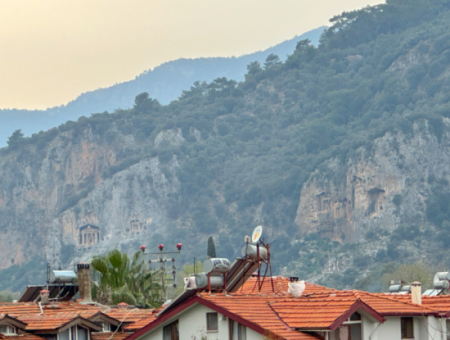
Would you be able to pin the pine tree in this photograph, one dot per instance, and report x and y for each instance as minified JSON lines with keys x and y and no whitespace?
{"x":211,"y":248}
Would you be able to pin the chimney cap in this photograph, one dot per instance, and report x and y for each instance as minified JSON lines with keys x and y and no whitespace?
{"x":416,"y":283}
{"x":83,"y":265}
{"x":122,"y":305}
{"x":44,"y":291}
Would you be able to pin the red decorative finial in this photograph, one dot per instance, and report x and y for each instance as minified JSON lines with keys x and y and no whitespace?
{"x":179,"y":245}
{"x":161,"y":247}
{"x":143,"y":248}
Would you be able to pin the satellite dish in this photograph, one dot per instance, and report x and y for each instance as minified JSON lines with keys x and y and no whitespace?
{"x":247,"y":239}
{"x":256,"y":234}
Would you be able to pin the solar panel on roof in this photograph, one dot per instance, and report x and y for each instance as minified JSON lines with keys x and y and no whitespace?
{"x":432,"y":292}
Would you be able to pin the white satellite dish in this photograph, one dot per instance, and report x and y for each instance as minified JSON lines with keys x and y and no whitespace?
{"x":257,"y":232}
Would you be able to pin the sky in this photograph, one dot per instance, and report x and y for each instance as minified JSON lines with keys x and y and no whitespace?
{"x":54,"y":50}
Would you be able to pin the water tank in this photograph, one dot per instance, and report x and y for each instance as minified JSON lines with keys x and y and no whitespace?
{"x":62,"y":276}
{"x":406,"y":288}
{"x":395,"y":288}
{"x":251,"y":252}
{"x":216,"y":265}
{"x":441,"y":280}
{"x":201,"y":281}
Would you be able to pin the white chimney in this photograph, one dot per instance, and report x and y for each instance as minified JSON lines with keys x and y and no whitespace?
{"x":296,"y":287}
{"x":416,"y":293}
{"x":44,"y":296}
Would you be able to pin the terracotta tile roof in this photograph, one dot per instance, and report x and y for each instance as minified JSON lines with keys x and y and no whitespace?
{"x":439,"y":303}
{"x":260,"y":313}
{"x":386,"y":304}
{"x":109,"y":335}
{"x":23,"y":308}
{"x":280,"y":285}
{"x":64,"y":310}
{"x":129,"y":315}
{"x":312,"y":313}
{"x":141,"y":323}
{"x":21,"y":336}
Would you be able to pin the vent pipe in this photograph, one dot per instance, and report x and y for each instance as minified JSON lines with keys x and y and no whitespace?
{"x":84,"y":282}
{"x":416,"y":293}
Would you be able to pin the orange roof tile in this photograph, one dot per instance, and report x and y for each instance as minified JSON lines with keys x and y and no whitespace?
{"x":280,"y":286}
{"x":46,"y":322}
{"x":21,"y":336}
{"x":109,"y":335}
{"x":141,"y":323}
{"x":129,"y":315}
{"x":260,"y":313}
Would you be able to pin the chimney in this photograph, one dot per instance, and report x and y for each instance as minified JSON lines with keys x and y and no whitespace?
{"x":84,"y":282}
{"x":122,"y":305}
{"x":416,"y":293}
{"x":44,"y":296}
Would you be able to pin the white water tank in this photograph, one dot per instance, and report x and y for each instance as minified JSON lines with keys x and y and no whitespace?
{"x":216,"y":265}
{"x":251,"y":252}
{"x":62,"y":276}
{"x":201,"y":281}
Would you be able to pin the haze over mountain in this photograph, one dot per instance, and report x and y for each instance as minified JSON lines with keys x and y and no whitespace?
{"x":164,"y":83}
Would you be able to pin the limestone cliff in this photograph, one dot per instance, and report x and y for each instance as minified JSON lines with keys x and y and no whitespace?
{"x":67,"y":202}
{"x":378,"y":188}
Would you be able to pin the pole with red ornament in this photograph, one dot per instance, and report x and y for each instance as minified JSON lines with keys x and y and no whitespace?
{"x":162,"y":260}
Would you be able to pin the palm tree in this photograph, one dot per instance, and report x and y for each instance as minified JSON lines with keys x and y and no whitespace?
{"x":122,"y":280}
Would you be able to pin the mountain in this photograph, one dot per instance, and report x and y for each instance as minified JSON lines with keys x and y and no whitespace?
{"x":164,"y":83}
{"x":341,"y":153}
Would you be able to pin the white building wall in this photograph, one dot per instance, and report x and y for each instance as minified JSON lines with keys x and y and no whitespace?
{"x":389,"y":330}
{"x":192,"y":326}
{"x":368,"y":328}
{"x":436,"y":328}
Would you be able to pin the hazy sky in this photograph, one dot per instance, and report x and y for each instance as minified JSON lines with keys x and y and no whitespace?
{"x":53,"y":50}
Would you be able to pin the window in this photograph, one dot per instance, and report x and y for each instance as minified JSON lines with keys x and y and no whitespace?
{"x":170,"y":332}
{"x":64,"y":335}
{"x":237,"y":331}
{"x":407,"y":325}
{"x":350,"y":329}
{"x":82,"y":333}
{"x":74,"y":333}
{"x":106,"y":327}
{"x":212,"y":322}
{"x":8,"y":330}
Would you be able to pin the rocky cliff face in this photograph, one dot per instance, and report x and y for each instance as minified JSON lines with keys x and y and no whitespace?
{"x":66,"y":204}
{"x":377,"y":188}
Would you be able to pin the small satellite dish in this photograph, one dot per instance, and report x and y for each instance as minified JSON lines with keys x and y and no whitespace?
{"x":256,"y":234}
{"x":247,"y":239}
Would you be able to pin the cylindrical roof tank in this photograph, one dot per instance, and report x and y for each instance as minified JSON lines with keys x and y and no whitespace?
{"x":251,"y":251}
{"x":201,"y":281}
{"x":62,"y":276}
{"x":216,"y":265}
{"x":395,"y":288}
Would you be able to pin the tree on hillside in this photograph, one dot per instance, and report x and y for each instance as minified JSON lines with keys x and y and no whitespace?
{"x":15,"y":139}
{"x":211,"y":248}
{"x":302,"y":43}
{"x":144,"y":104}
{"x":410,"y":273}
{"x":126,"y":280}
{"x":271,"y":61}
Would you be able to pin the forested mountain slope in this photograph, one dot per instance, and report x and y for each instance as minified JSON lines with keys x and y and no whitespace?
{"x":342,"y":153}
{"x":164,"y":83}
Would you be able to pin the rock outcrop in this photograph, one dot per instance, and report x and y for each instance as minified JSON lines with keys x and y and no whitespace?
{"x":378,"y":189}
